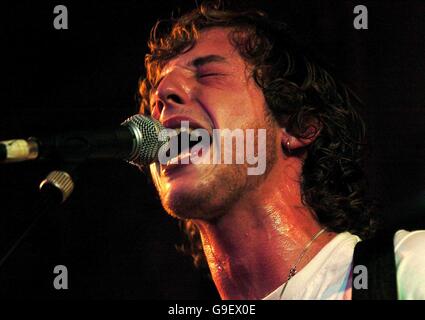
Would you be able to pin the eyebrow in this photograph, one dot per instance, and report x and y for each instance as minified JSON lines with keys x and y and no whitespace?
{"x":200,"y":61}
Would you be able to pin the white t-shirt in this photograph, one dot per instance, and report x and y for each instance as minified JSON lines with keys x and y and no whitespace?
{"x":326,"y":276}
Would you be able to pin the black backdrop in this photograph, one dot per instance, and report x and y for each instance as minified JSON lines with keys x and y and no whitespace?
{"x":112,"y":234}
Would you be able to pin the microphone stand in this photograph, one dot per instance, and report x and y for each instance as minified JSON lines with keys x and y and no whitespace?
{"x":55,"y":189}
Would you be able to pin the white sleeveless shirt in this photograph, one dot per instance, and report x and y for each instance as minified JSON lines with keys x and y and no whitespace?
{"x":326,"y":276}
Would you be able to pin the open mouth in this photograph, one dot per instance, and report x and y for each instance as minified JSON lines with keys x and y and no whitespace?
{"x":187,"y":139}
{"x":188,"y":143}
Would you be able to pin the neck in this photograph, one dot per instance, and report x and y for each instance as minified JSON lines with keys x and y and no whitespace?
{"x":251,"y":248}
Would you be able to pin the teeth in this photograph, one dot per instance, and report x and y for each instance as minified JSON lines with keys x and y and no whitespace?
{"x":178,"y":159}
{"x":179,"y":130}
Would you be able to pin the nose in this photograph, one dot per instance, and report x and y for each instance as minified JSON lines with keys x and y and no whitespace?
{"x":172,"y":92}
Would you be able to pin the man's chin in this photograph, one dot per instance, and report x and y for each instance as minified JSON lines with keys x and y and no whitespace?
{"x":186,"y":198}
{"x":200,"y":191}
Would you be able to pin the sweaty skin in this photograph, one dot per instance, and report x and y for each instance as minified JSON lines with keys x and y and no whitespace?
{"x":253,"y":228}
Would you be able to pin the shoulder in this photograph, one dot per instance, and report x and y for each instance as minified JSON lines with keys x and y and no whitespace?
{"x":409,"y":249}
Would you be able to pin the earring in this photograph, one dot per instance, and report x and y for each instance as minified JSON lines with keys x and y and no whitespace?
{"x":288,"y":147}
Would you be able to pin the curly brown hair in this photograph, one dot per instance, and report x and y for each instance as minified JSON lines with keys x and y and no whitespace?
{"x":299,"y":91}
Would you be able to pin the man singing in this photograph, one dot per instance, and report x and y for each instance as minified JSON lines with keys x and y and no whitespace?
{"x":291,"y":231}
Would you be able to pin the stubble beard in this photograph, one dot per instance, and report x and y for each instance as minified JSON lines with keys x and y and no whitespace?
{"x":216,"y":192}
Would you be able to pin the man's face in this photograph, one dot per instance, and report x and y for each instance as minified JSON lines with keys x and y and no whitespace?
{"x":211,"y":87}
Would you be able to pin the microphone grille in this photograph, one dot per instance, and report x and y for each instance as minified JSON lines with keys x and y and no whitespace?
{"x":149,"y":137}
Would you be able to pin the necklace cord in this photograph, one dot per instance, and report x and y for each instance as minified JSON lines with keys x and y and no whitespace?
{"x":293,"y":270}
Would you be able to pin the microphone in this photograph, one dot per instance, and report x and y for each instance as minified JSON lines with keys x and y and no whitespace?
{"x":137,"y":140}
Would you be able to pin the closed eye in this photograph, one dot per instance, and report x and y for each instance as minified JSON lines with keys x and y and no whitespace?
{"x":205,"y":75}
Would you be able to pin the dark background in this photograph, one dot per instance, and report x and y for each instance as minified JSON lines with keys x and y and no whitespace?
{"x":112,"y":234}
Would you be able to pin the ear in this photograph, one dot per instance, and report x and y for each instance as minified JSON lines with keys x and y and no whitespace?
{"x":291,"y":143}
